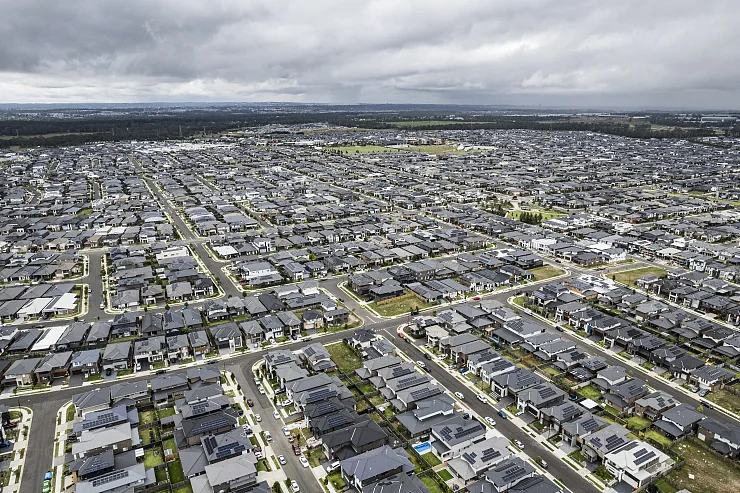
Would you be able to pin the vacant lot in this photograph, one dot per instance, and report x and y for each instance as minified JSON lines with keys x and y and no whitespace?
{"x":545,"y":272}
{"x":630,"y":277}
{"x":712,"y":474}
{"x":345,"y":358}
{"x":546,"y":214}
{"x":726,"y":399}
{"x":400,"y":305}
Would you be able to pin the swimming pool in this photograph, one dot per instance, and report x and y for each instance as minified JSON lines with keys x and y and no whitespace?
{"x":423,"y":447}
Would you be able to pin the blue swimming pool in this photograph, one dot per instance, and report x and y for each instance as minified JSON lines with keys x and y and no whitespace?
{"x":423,"y":447}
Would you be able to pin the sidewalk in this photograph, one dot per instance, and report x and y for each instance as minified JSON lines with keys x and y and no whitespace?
{"x":19,"y":449}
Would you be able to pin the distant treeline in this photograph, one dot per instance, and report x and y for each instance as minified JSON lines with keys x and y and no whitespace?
{"x":50,"y":131}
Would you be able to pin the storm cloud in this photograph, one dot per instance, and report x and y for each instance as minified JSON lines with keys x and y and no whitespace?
{"x":681,"y":54}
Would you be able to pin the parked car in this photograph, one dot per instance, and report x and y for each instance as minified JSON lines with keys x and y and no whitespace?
{"x":490,"y":420}
{"x":10,"y":424}
{"x":276,"y":415}
{"x":281,"y":460}
{"x":304,"y":461}
{"x":459,"y":395}
{"x":48,"y":476}
{"x":261,"y":389}
{"x":46,"y":488}
{"x":427,"y":356}
{"x":294,"y":486}
{"x":502,"y":414}
{"x":332,"y":467}
{"x":250,"y":402}
{"x":421,"y":364}
{"x":108,"y":372}
{"x":4,"y":444}
{"x":703,"y":392}
{"x":102,"y":305}
{"x":286,"y":431}
{"x":573,"y":397}
{"x":482,"y":398}
{"x":268,"y":436}
{"x":296,"y":449}
{"x":258,"y":417}
{"x":519,"y":444}
{"x":161,"y":372}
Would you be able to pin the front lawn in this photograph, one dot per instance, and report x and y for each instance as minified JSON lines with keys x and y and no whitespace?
{"x":314,"y":456}
{"x":400,"y":305}
{"x":545,"y":272}
{"x":629,"y":277}
{"x":638,"y":423}
{"x":71,"y":412}
{"x":335,"y":478}
{"x":345,"y":357}
{"x":711,"y":473}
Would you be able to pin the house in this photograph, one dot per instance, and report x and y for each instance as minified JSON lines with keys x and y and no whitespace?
{"x":624,"y":395}
{"x":711,"y":378}
{"x":477,"y":458}
{"x":227,"y":336}
{"x":455,"y":434}
{"x":85,"y":362}
{"x":678,"y":421}
{"x":596,"y":445}
{"x":52,"y":366}
{"x":355,"y":439}
{"x":199,"y":343}
{"x":538,"y":397}
{"x":636,"y":463}
{"x":506,"y":476}
{"x":21,"y":372}
{"x":654,"y":404}
{"x":178,"y":347}
{"x":374,"y":465}
{"x":117,"y":356}
{"x":150,"y":350}
{"x":723,"y":437}
{"x":233,"y":474}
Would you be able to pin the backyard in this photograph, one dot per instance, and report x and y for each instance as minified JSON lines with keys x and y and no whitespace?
{"x":153,"y":457}
{"x":589,"y":392}
{"x":344,"y":356}
{"x":630,"y":277}
{"x":175,"y":470}
{"x":711,"y":473}
{"x":638,"y":423}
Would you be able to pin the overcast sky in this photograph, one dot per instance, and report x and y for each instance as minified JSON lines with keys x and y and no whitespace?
{"x":622,"y":53}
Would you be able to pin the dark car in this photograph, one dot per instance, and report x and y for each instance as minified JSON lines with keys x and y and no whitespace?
{"x":250,"y":403}
{"x":161,"y":372}
{"x":502,"y":414}
{"x":427,"y":356}
{"x":707,"y":404}
{"x":108,"y":372}
{"x":573,"y":397}
{"x":10,"y":424}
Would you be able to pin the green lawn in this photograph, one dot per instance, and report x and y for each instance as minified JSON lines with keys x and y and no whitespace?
{"x":662,"y":439}
{"x":314,"y":456}
{"x":602,"y":473}
{"x":336,"y":480}
{"x":444,"y":474}
{"x":432,"y":485}
{"x":545,"y":272}
{"x":589,"y":392}
{"x":630,"y":277}
{"x":638,"y":423}
{"x":167,"y":411}
{"x":71,"y":412}
{"x":417,"y":464}
{"x":151,"y":460}
{"x":726,"y":399}
{"x":175,"y":470}
{"x":184,"y":489}
{"x":431,"y":459}
{"x":400,"y":305}
{"x":712,"y":474}
{"x":169,"y":444}
{"x":161,"y":475}
{"x":149,"y":436}
{"x":578,"y":457}
{"x":344,"y":356}
{"x":665,"y":487}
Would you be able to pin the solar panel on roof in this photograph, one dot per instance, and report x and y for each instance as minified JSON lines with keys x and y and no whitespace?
{"x":489,"y":454}
{"x":547,"y":392}
{"x":469,"y":457}
{"x":644,"y":458}
{"x":110,"y":478}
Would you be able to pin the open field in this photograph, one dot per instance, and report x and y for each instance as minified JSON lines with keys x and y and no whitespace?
{"x":712,"y":474}
{"x":368,"y":149}
{"x":545,"y":272}
{"x":726,"y":399}
{"x":630,"y":277}
{"x":421,"y":123}
{"x":43,"y":136}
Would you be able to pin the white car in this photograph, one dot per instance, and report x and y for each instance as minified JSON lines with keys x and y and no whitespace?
{"x":519,"y":444}
{"x":281,"y":460}
{"x":287,"y":403}
{"x":333,"y":467}
{"x":138,"y":366}
{"x":421,"y":363}
{"x":261,"y":390}
{"x":490,"y":421}
{"x":268,"y":437}
{"x":294,"y":486}
{"x":286,"y":431}
{"x":276,"y":415}
{"x":102,"y":305}
{"x":258,"y":417}
{"x":304,"y":461}
{"x":459,"y":395}
{"x":482,"y":398}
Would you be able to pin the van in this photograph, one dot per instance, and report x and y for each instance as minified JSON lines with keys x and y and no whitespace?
{"x":332,"y":467}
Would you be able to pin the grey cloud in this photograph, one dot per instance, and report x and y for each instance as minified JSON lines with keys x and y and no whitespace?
{"x":632,"y":53}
